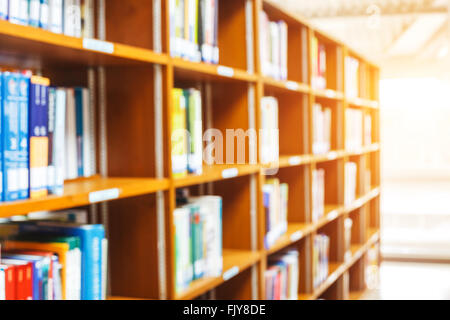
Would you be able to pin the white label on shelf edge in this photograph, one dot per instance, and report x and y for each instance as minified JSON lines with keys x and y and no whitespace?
{"x":332,"y":155}
{"x":296,"y":236}
{"x":98,"y":45}
{"x":225,"y":71}
{"x":291,"y":85}
{"x":332,"y":215}
{"x":230,"y":173}
{"x":295,"y":161}
{"x":330,"y":93}
{"x":230,"y":273}
{"x":104,"y":195}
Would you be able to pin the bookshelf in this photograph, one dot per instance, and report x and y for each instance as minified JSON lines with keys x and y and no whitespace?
{"x":129,"y":69}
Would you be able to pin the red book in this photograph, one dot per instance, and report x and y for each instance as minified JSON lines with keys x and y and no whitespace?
{"x":23,"y":277}
{"x":10,"y":281}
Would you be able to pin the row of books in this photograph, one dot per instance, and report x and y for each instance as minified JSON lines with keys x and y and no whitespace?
{"x":47,"y":136}
{"x":372,"y":271}
{"x":273,"y":47}
{"x":275,"y":198}
{"x":194,"y":30}
{"x":269,"y":135}
{"x":321,"y":129}
{"x":53,"y":260}
{"x":198,"y":239}
{"x":187,"y":132}
{"x":319,"y":64}
{"x":321,"y":248}
{"x":318,"y":194}
{"x":353,"y":129}
{"x":282,"y":276}
{"x":352,"y":77}
{"x":70,"y":17}
{"x":350,"y":176}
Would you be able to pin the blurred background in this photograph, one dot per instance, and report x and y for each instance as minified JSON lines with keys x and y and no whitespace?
{"x":410,"y":40}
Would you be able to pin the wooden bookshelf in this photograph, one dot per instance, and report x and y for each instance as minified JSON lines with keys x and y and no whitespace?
{"x":131,"y":74}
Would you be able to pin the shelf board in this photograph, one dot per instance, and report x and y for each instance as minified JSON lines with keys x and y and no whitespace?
{"x":374,"y":147}
{"x":327,"y":94}
{"x":295,"y":232}
{"x":234,"y":262}
{"x":361,"y":201}
{"x":117,"y":298}
{"x":332,"y":212}
{"x":285,"y":86}
{"x":188,"y":70}
{"x":286,"y":161}
{"x":85,"y":191}
{"x":29,"y":47}
{"x":216,"y":173}
{"x":356,"y":295}
{"x":363,"y":103}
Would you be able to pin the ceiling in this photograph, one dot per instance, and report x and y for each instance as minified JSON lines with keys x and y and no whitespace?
{"x":390,"y":32}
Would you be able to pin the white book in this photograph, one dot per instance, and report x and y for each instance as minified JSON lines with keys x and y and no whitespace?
{"x":71,"y":167}
{"x":104,"y":268}
{"x":88,"y":135}
{"x":283,"y":49}
{"x":269,"y":135}
{"x":2,"y":285}
{"x":3,"y":9}
{"x":211,"y":209}
{"x":72,"y":18}
{"x":350,"y":182}
{"x":56,"y":16}
{"x":73,"y":274}
{"x":183,"y":265}
{"x":34,"y":12}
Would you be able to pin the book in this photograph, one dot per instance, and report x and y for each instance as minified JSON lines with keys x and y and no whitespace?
{"x":4,"y":9}
{"x":91,"y":237}
{"x":194,"y":127}
{"x":9,"y":284}
{"x":352,"y":77}
{"x":321,"y":245}
{"x":350,"y":182}
{"x":56,"y":15}
{"x":273,"y":47}
{"x":44,"y":15}
{"x":318,"y":64}
{"x":275,"y":201}
{"x":321,"y":129}
{"x":15,"y":174}
{"x":18,"y":12}
{"x":72,"y":18}
{"x":269,"y":134}
{"x":183,"y":262}
{"x":2,"y":196}
{"x":318,"y":194}
{"x":34,"y":13}
{"x":87,"y":18}
{"x":179,"y":134}
{"x":282,"y":276}
{"x":68,"y":251}
{"x":23,"y":278}
{"x":70,"y":144}
{"x":57,"y":132}
{"x":88,"y":136}
{"x":79,"y":129}
{"x":24,"y":152}
{"x":39,"y":136}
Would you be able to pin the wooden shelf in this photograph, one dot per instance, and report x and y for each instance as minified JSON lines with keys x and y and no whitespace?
{"x":327,"y":94}
{"x":29,"y":47}
{"x":216,"y":173}
{"x":83,"y":192}
{"x":363,"y":103}
{"x":295,"y":232}
{"x":188,"y":70}
{"x":234,"y":262}
{"x":285,"y":86}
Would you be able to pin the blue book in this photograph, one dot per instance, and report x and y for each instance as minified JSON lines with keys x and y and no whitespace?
{"x":91,"y":238}
{"x":79,"y":129}
{"x":24,"y":156}
{"x":10,"y":134}
{"x":41,"y":267}
{"x":4,"y":10}
{"x":38,"y":136}
{"x":1,"y":140}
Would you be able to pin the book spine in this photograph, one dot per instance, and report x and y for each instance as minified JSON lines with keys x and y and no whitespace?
{"x":10,"y":118}
{"x":104,"y":268}
{"x":179,"y":134}
{"x":23,"y":152}
{"x":87,"y":18}
{"x":79,"y":130}
{"x":2,"y":95}
{"x":72,"y":18}
{"x":194,"y":126}
{"x":34,"y":12}
{"x":59,"y":156}
{"x":71,"y":168}
{"x":10,"y":283}
{"x":56,"y":16}
{"x":2,"y":284}
{"x":88,"y":136}
{"x":51,"y":136}
{"x":4,"y":4}
{"x":44,"y":15}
